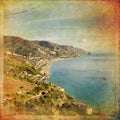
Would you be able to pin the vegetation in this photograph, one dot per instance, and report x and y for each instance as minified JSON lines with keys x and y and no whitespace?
{"x":44,"y":49}
{"x":29,"y":69}
{"x":29,"y":91}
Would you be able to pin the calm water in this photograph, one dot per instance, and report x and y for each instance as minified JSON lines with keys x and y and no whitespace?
{"x":89,"y":79}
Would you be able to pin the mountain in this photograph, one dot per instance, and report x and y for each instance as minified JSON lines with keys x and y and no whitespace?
{"x":43,"y":49}
{"x":25,"y":47}
{"x":61,"y":50}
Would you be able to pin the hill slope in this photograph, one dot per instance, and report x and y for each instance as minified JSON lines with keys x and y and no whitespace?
{"x":43,"y":49}
{"x":29,"y":92}
{"x":61,"y":50}
{"x":24,"y":47}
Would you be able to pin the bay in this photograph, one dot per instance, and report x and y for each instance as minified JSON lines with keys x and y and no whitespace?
{"x":90,"y":79}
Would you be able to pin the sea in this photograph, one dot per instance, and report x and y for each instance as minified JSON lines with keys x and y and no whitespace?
{"x":90,"y":79}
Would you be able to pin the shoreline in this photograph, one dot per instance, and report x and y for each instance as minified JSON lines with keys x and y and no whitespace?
{"x":49,"y":63}
{"x":46,"y":69}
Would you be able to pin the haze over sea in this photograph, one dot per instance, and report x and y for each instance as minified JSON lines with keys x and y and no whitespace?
{"x":90,"y":79}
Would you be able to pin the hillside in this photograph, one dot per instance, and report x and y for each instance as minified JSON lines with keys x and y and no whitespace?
{"x":23,"y":94}
{"x":25,"y":88}
{"x":61,"y":50}
{"x":43,"y":49}
{"x":24,"y":47}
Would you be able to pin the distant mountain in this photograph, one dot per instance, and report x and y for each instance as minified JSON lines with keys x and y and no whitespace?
{"x":61,"y":50}
{"x":25,"y":47}
{"x":43,"y":49}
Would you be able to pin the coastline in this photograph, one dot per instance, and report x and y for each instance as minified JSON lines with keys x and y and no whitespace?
{"x":46,"y":68}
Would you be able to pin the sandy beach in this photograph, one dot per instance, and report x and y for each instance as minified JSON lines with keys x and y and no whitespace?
{"x":46,"y":68}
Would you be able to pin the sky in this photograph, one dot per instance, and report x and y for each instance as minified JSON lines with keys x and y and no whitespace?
{"x":90,"y":25}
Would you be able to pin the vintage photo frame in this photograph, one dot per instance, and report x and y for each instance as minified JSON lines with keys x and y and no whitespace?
{"x":105,"y":20}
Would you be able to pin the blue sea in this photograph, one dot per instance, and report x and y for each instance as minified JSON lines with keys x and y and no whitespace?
{"x":90,"y":79}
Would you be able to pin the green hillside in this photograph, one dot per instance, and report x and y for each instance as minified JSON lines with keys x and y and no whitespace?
{"x":44,"y":49}
{"x":25,"y":86}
